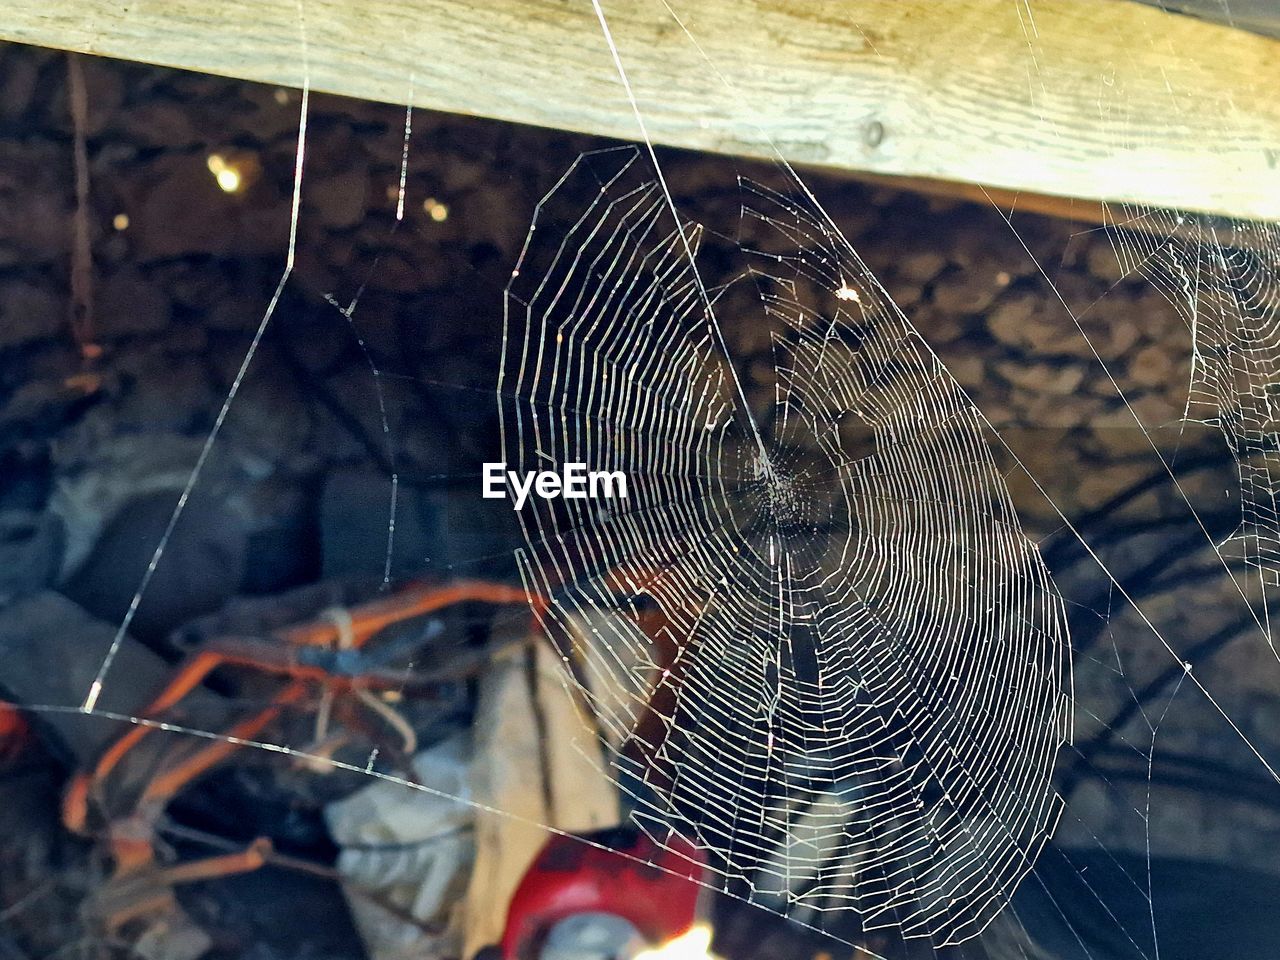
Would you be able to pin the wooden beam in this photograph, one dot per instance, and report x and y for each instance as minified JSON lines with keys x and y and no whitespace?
{"x":1089,"y":99}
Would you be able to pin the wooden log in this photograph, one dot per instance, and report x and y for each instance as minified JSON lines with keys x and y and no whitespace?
{"x":536,"y":764}
{"x":1090,"y":99}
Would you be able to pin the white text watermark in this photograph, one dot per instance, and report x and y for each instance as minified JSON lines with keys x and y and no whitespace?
{"x":573,"y":482}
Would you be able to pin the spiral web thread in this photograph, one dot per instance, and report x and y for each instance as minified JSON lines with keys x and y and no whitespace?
{"x":855,"y":676}
{"x":1224,"y":279}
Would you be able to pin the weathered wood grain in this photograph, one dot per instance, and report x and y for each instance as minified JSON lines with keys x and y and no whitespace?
{"x":1091,"y":99}
{"x":531,"y":768}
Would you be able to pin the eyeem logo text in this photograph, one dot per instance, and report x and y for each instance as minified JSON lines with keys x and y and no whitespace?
{"x":575,"y":482}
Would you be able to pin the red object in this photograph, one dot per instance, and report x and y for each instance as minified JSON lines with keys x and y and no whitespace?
{"x":14,"y":731}
{"x":621,"y":872}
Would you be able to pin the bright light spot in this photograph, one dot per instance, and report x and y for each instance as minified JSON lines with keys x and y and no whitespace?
{"x":228,"y":176}
{"x":281,"y":95}
{"x":1003,"y":278}
{"x":847,"y":292}
{"x":694,"y":945}
{"x":120,"y":221}
{"x":436,"y":210}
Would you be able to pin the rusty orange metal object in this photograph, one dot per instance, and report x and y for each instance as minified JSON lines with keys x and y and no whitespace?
{"x":416,"y":600}
{"x":365,"y":621}
{"x":164,"y":786}
{"x":144,"y":891}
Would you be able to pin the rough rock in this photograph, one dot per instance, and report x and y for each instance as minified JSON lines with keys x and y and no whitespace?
{"x":355,"y":511}
{"x":39,"y":406}
{"x":1102,"y":261}
{"x":161,"y":393}
{"x":31,"y":545}
{"x":199,"y":285}
{"x":128,"y":304}
{"x":1024,"y":321}
{"x":34,"y":201}
{"x":966,"y":291}
{"x":270,"y":422}
{"x":339,"y":201}
{"x":50,"y":652}
{"x":1111,"y":327}
{"x":19,"y":76}
{"x":154,"y":122}
{"x":29,"y":313}
{"x":1152,"y":366}
{"x":271,"y":112}
{"x":1043,"y":377}
{"x":181,"y":213}
{"x":237,"y":313}
{"x":223,"y":545}
{"x":921,"y":266}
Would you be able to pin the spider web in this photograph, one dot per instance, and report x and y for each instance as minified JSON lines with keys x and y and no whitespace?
{"x":867,"y":663}
{"x":1224,"y":278}
{"x":858,"y":693}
